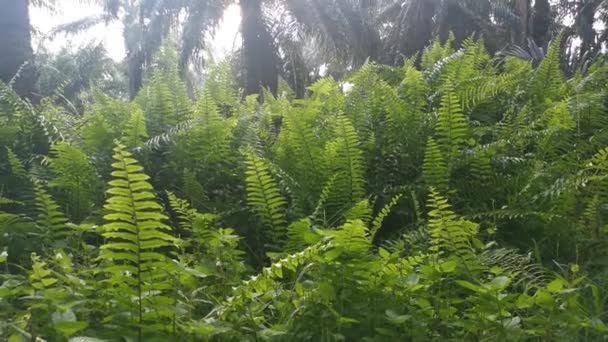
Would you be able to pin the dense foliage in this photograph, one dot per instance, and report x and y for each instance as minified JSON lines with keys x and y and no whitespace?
{"x":459,"y":198}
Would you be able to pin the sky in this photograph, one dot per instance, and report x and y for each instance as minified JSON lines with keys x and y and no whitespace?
{"x":222,"y":44}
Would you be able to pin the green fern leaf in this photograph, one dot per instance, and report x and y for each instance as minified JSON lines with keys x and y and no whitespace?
{"x":264,"y":197}
{"x":135,"y":233}
{"x":452,"y":127}
{"x":434,"y":169}
{"x":386,"y":210}
{"x":75,"y":178}
{"x":549,"y":79}
{"x":345,"y":160}
{"x":450,"y":235}
{"x":15,"y":164}
{"x":135,"y":132}
{"x":49,"y":217}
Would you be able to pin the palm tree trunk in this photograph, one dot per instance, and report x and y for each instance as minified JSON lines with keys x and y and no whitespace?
{"x":135,"y":67}
{"x":584,"y":24}
{"x":259,"y":51}
{"x":541,"y":21}
{"x":522,"y":9}
{"x":16,"y":54}
{"x":134,"y":38}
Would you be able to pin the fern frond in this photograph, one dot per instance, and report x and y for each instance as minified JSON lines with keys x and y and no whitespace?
{"x":360,"y":211}
{"x":524,"y":271}
{"x":221,"y":88}
{"x":549,"y":78}
{"x":323,"y":198}
{"x":434,"y":169}
{"x":49,"y":217}
{"x":386,"y":210}
{"x":345,"y":159}
{"x":185,"y":213}
{"x":264,"y":197}
{"x":433,"y":55}
{"x":415,"y":93}
{"x":164,"y":101}
{"x":452,"y":127}
{"x":134,"y":233}
{"x":265,"y":280}
{"x":191,"y":222}
{"x":299,"y":152}
{"x":482,"y":89}
{"x":193,"y":190}
{"x":15,"y":164}
{"x":351,"y":238}
{"x":169,"y":135}
{"x":301,"y":234}
{"x":76,"y":178}
{"x":135,"y":132}
{"x":450,"y":235}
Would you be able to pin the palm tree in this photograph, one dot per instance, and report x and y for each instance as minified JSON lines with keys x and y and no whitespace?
{"x":541,"y":22}
{"x":259,"y":51}
{"x":147,"y":23}
{"x":16,"y":54}
{"x":341,"y":34}
{"x":584,"y":25}
{"x":522,"y":9}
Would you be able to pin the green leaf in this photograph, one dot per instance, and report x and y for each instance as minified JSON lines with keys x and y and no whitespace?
{"x":544,"y":299}
{"x":70,"y":328}
{"x":412,"y":279}
{"x":500,"y":283}
{"x":555,"y":286}
{"x":65,"y":316}
{"x":383,"y":253}
{"x":17,"y":338}
{"x":448,"y":266}
{"x":524,"y":301}
{"x":85,"y":339}
{"x":468,"y":285}
{"x":395,"y":318}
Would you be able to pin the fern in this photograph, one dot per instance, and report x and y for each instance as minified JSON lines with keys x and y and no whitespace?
{"x":549,"y":79}
{"x":415,"y":93}
{"x":323,"y":198}
{"x":135,"y":233}
{"x":264,"y":281}
{"x":49,"y":217}
{"x":194,"y":230}
{"x":193,"y":190}
{"x":205,"y":142}
{"x":360,"y":211}
{"x":452,"y":127}
{"x":481,"y":168}
{"x":164,"y":101}
{"x":524,"y":271}
{"x":434,"y":169}
{"x":264,"y":197}
{"x":221,"y":88}
{"x":301,"y":234}
{"x":299,"y":150}
{"x":386,"y":210}
{"x":436,"y":52}
{"x":450,"y":235}
{"x":75,"y":178}
{"x":135,"y":133}
{"x":479,"y":90}
{"x":15,"y":164}
{"x":345,"y":159}
{"x":186,"y":215}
